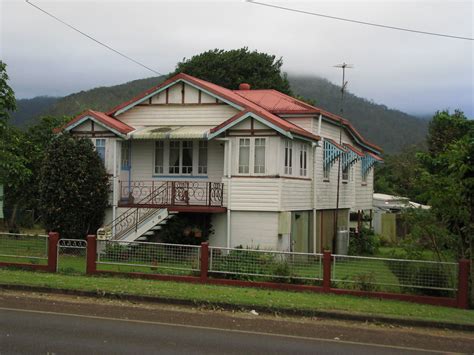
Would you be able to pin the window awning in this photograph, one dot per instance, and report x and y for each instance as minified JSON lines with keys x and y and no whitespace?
{"x":172,"y":132}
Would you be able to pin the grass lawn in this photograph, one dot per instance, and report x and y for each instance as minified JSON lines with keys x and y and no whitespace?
{"x":247,"y":297}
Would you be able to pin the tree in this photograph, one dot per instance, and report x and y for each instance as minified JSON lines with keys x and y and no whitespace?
{"x":398,"y":175}
{"x":446,"y":128}
{"x":7,"y":96}
{"x":73,"y":187}
{"x":233,"y":67}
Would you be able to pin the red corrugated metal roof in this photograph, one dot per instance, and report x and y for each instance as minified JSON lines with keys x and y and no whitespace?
{"x":103,"y":118}
{"x":281,"y":104}
{"x":354,"y":149}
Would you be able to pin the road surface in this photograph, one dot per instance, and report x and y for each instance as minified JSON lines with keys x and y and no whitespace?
{"x":48,"y":325}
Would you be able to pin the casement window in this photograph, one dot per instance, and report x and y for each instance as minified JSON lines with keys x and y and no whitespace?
{"x":259,"y":156}
{"x":288,"y":157}
{"x":181,"y":157}
{"x":159,"y":157}
{"x":364,"y":177}
{"x":100,"y":148}
{"x":186,"y":157}
{"x":303,"y":159}
{"x":125,"y":155}
{"x":326,"y":166}
{"x":345,"y":173}
{"x":202,"y":157}
{"x":244,"y":155}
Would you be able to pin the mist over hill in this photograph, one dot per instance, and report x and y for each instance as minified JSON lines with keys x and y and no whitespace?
{"x":391,"y":129}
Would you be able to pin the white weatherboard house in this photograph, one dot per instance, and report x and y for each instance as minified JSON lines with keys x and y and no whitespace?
{"x":263,"y":164}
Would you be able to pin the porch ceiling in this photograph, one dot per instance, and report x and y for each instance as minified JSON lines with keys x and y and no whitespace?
{"x":172,"y":132}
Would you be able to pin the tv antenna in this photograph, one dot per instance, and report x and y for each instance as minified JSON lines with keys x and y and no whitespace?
{"x":343,"y":66}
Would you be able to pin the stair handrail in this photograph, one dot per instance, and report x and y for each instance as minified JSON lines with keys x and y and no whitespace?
{"x":139,"y":217}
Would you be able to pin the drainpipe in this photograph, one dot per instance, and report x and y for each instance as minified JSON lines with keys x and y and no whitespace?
{"x":228,"y":174}
{"x":114,"y":187}
{"x":315,"y":239}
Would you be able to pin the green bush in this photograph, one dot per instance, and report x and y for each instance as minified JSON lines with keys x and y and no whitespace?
{"x":74,"y":187}
{"x":365,"y":243}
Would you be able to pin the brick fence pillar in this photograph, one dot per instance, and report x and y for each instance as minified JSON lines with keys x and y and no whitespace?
{"x":463,"y":284}
{"x":326,"y":270}
{"x":204,"y":261}
{"x":91,"y":266}
{"x":53,"y":239}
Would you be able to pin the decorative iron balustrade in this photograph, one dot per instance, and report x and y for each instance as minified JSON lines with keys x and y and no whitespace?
{"x":172,"y":193}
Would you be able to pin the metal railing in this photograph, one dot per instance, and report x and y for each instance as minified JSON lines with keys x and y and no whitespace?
{"x":16,"y":247}
{"x":148,"y":257}
{"x":133,"y":217}
{"x":179,"y":193}
{"x":265,"y":263}
{"x":397,"y":275}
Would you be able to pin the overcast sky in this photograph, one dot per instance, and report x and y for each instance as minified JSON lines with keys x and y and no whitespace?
{"x":411,"y":72}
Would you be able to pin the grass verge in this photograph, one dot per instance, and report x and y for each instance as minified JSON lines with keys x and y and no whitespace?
{"x":245,"y":297}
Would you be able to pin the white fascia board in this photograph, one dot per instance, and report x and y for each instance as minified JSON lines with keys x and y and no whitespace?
{"x":128,"y":107}
{"x":258,"y":118}
{"x":85,"y":118}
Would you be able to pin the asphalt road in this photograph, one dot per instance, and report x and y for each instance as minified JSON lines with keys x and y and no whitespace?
{"x":48,"y":325}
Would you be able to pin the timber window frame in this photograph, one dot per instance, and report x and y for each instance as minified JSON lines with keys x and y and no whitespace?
{"x":288,"y":157}
{"x":100,"y":144}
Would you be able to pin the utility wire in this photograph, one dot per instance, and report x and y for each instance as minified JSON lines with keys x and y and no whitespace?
{"x":359,"y":22}
{"x":93,"y":39}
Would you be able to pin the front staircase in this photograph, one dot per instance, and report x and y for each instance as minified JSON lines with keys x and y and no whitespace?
{"x":138,"y":222}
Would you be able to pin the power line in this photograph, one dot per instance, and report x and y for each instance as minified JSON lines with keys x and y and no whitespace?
{"x":359,"y":22}
{"x":93,"y":39}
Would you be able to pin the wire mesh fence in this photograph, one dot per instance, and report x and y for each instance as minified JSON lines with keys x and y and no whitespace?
{"x":394,"y":275}
{"x":160,"y":258}
{"x":72,"y":254}
{"x":24,"y":248}
{"x":249,"y":264}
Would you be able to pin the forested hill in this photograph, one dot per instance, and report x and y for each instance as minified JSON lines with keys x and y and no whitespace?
{"x":390,"y":129}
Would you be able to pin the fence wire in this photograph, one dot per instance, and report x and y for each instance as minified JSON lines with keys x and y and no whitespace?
{"x":148,"y":257}
{"x":265,"y":263}
{"x":21,"y":248}
{"x":398,"y":275}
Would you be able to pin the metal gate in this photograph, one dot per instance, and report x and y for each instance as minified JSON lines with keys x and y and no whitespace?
{"x":72,"y":256}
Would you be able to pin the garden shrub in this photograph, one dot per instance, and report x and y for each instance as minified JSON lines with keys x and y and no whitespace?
{"x":365,"y":243}
{"x":74,"y":187}
{"x":424,"y":274}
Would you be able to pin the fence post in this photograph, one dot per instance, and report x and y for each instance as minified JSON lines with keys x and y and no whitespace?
{"x":326,"y":270}
{"x":91,"y":266}
{"x":463,"y":284}
{"x":204,"y":260}
{"x":53,"y":238}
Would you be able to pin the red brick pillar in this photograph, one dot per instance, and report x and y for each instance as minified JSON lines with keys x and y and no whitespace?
{"x":326,"y":270}
{"x":204,"y":261}
{"x":463,"y":284}
{"x":53,"y":239}
{"x":91,"y":267}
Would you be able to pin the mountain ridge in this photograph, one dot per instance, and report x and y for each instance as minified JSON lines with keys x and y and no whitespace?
{"x":389,"y":128}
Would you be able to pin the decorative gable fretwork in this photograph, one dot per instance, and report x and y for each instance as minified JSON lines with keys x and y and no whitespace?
{"x":332,"y":151}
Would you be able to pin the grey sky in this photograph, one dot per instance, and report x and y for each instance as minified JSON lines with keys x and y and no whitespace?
{"x":411,"y":72}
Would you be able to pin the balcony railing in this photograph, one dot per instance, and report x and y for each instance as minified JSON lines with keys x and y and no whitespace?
{"x":172,"y":193}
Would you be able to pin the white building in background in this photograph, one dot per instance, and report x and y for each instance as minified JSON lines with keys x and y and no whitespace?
{"x":262,"y":164}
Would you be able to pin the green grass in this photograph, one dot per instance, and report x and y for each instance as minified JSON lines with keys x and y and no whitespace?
{"x":246,"y":297}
